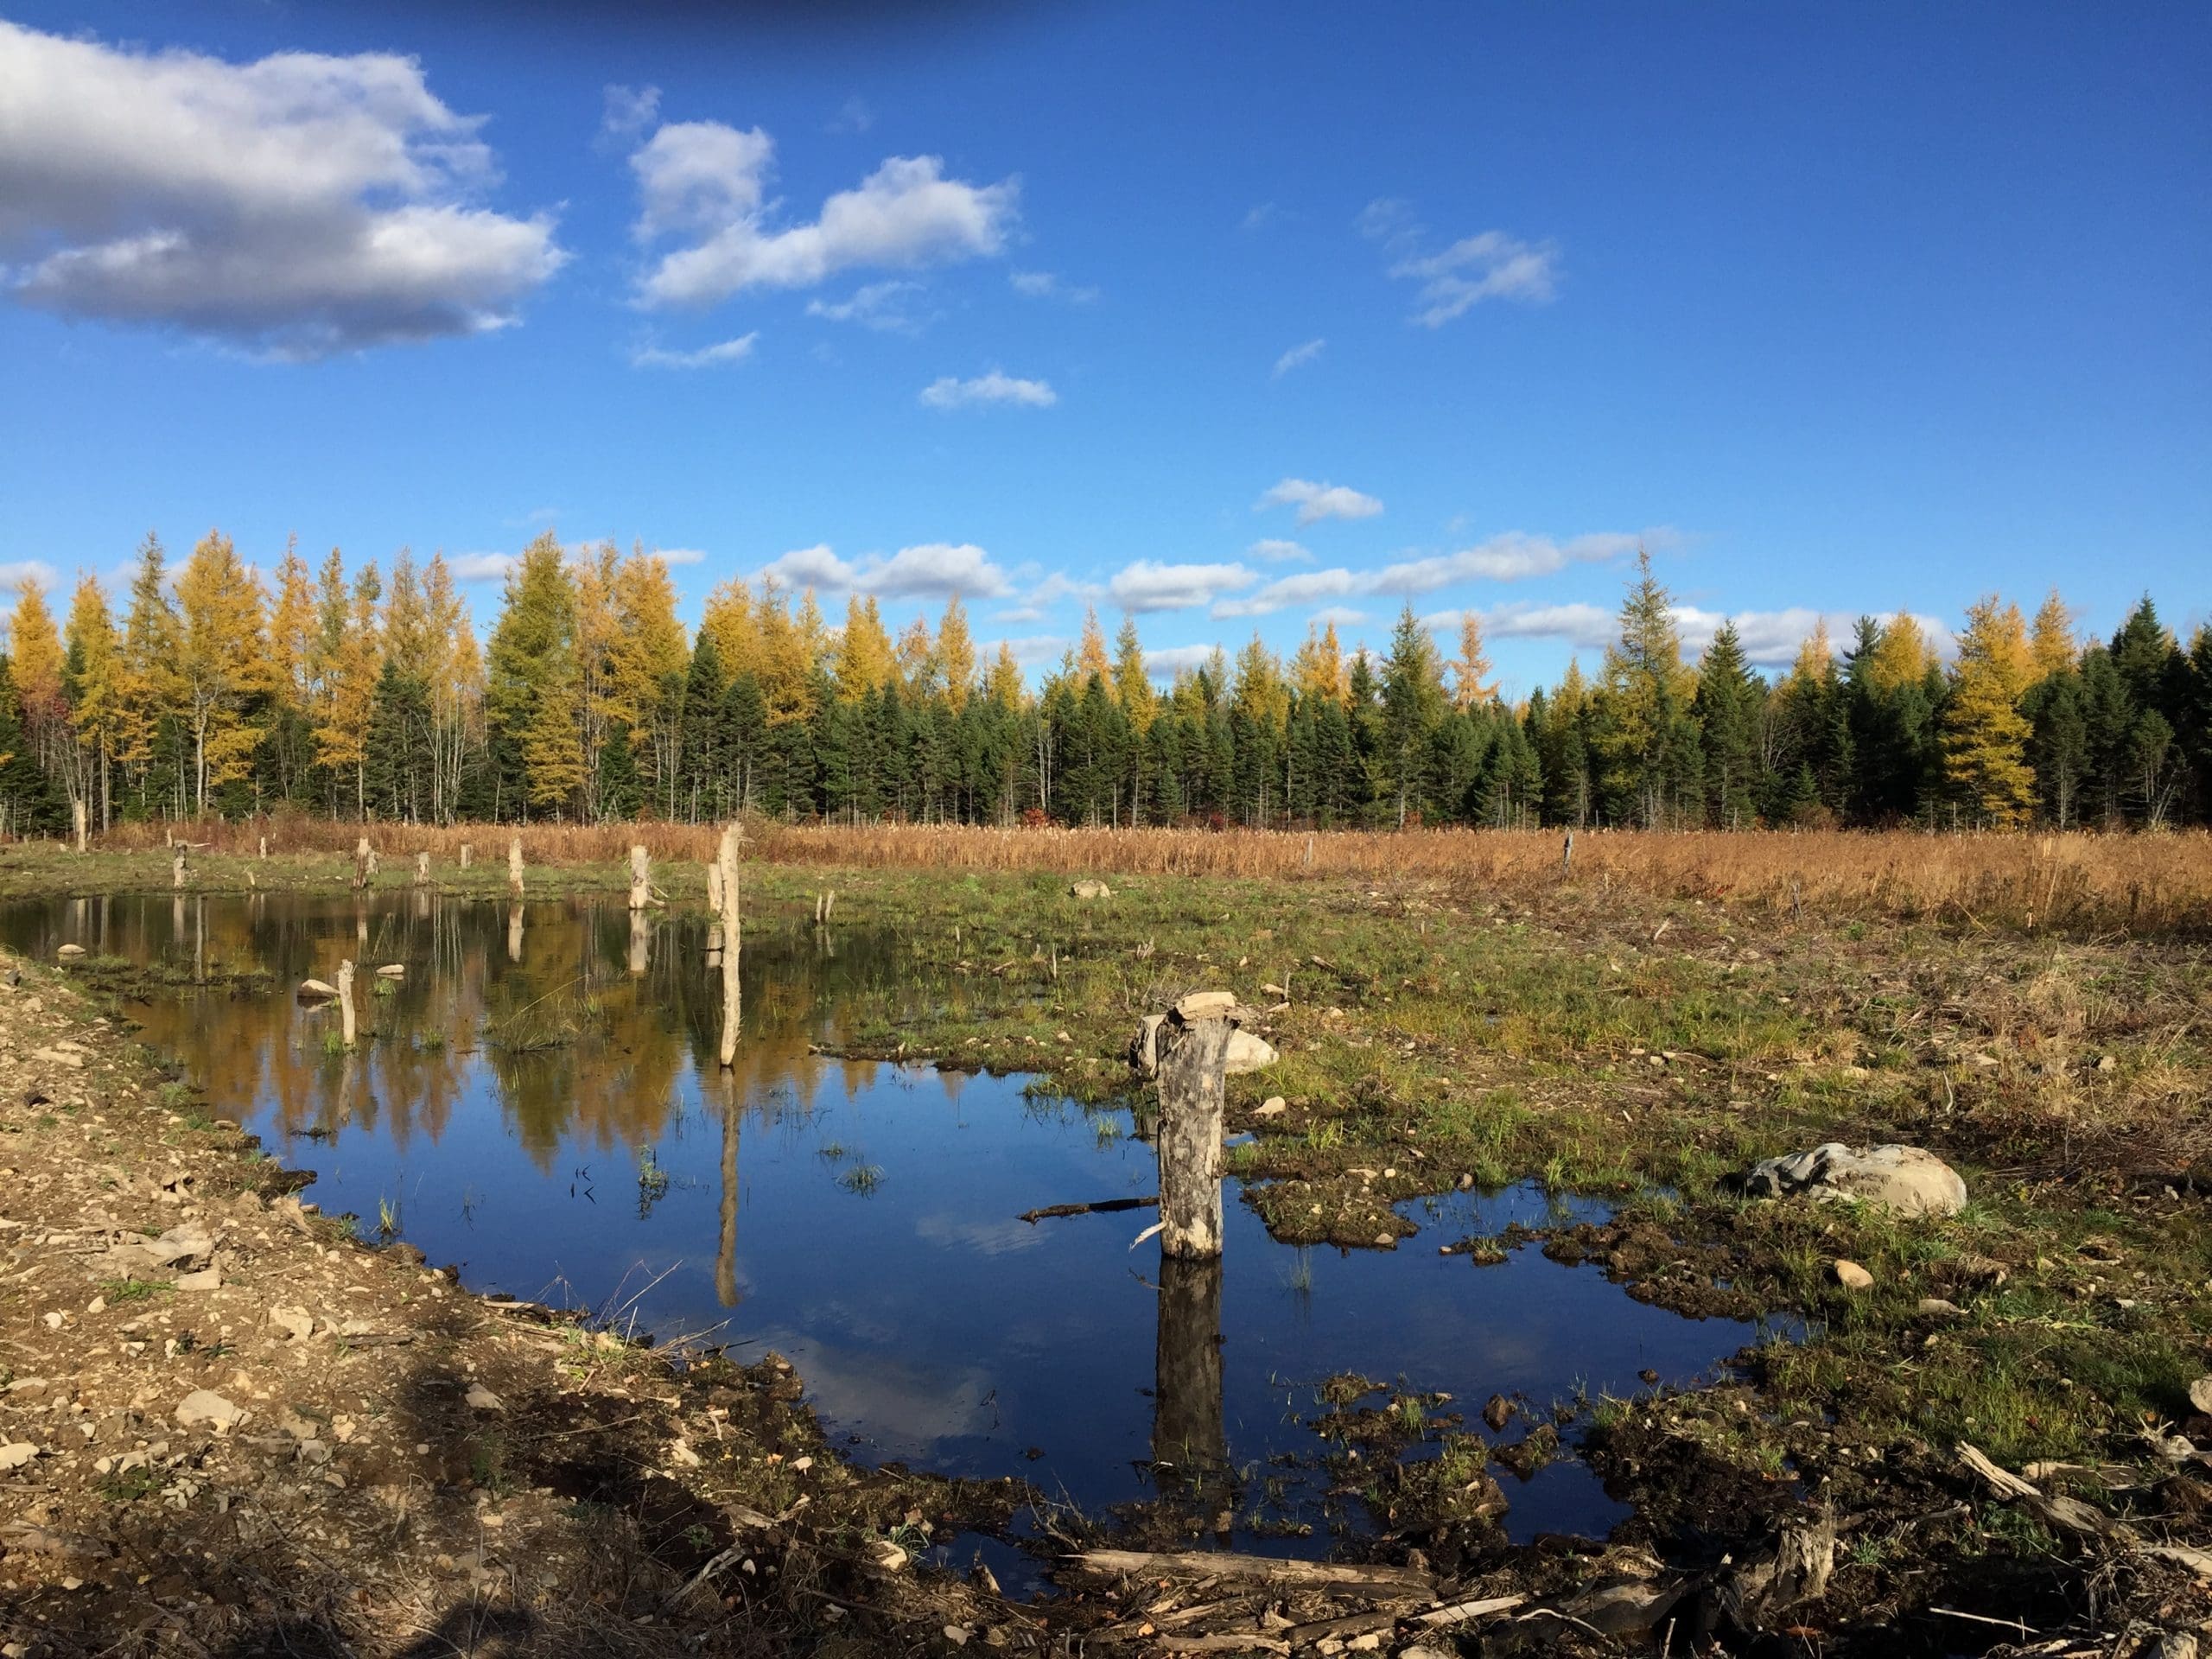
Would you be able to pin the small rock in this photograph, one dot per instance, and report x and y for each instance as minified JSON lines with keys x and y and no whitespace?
{"x":1089,"y":889}
{"x":1272,"y":1106}
{"x":70,"y":952}
{"x":183,"y":1244}
{"x":681,"y":1454}
{"x":959,"y":1634}
{"x":1498,"y":1412}
{"x":316,"y":990}
{"x":1935,"y":1307}
{"x":205,"y":1279}
{"x":16,"y":1453}
{"x":2108,"y":1063}
{"x":297,"y":1323}
{"x":1248,"y":1053}
{"x":2200,"y":1395}
{"x":887,"y":1555}
{"x":206,"y":1405}
{"x":1386,"y":1241}
{"x":481,"y":1398}
{"x":1850,"y":1275}
{"x":392,"y":971}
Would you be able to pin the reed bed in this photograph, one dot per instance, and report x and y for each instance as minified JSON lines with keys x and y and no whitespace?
{"x":2129,"y":883}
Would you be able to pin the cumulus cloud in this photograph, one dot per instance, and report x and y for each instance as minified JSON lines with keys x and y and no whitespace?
{"x":481,"y":567}
{"x":720,"y":354}
{"x":1771,"y":639}
{"x":1044,"y":285}
{"x":1315,"y":502}
{"x":1148,"y":585}
{"x":1489,"y":265}
{"x":1030,"y":649}
{"x":1303,"y":588}
{"x":297,"y":205}
{"x":680,"y":555}
{"x":1277,"y":551}
{"x":1298,"y":357}
{"x":926,"y":570}
{"x":885,"y":305}
{"x":1590,"y":626}
{"x":705,"y":183}
{"x":949,"y":392}
{"x":15,"y":572}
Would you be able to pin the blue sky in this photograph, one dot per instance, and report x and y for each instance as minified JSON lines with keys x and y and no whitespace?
{"x":1838,"y":307}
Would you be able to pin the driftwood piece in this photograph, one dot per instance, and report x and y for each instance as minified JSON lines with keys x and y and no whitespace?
{"x":1350,"y":1576}
{"x":2067,"y":1513}
{"x":1447,"y":1614}
{"x":1100,"y":1207}
{"x":1221,"y":1642}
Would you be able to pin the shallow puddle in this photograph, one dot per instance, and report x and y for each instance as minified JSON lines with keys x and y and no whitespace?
{"x":539,"y":1104}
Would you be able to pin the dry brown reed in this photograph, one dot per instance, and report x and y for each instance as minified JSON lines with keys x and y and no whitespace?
{"x":2074,"y":883}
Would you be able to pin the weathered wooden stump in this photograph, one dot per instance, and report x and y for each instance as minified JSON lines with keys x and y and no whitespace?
{"x":346,"y":1014}
{"x":732,"y":998}
{"x":421,"y":869}
{"x":641,"y":879}
{"x":80,"y":812}
{"x":1193,"y":1049}
{"x":177,"y":871}
{"x":467,"y":854}
{"x":514,"y":865}
{"x":361,"y":864}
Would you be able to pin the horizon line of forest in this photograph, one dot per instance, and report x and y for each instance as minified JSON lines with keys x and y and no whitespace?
{"x":353,"y":697}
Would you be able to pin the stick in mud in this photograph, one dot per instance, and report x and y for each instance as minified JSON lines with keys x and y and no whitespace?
{"x":732,"y":1007}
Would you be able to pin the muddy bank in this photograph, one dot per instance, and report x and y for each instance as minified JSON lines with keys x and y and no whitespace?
{"x":230,"y":1428}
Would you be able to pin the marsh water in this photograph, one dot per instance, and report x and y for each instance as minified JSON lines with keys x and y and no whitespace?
{"x":539,"y":1102}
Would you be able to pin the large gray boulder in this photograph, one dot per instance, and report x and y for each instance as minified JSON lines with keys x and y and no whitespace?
{"x":1908,"y":1179}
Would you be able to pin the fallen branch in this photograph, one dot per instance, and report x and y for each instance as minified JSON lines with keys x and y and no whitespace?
{"x":1200,"y":1563}
{"x":1458,"y":1612}
{"x":2067,"y":1513}
{"x":1103,"y":1206}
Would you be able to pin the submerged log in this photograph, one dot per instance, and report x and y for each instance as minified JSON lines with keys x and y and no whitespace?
{"x":1100,"y":1207}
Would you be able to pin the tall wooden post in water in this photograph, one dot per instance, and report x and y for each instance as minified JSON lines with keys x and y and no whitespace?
{"x":514,"y":865}
{"x":346,"y":1014}
{"x":1193,"y":1050}
{"x":641,"y":879}
{"x":727,"y":862}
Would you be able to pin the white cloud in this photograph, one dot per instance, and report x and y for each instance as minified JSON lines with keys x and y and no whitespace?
{"x":297,"y":205}
{"x":1148,"y":585}
{"x":1591,"y":627}
{"x":481,"y":567}
{"x":1276,"y":551}
{"x":1342,"y":616}
{"x":950,"y":392}
{"x":882,"y":306}
{"x":928,"y":569}
{"x":624,"y":112}
{"x":1303,"y":588}
{"x":1489,"y":266}
{"x":707,"y":182}
{"x":707,"y":356}
{"x":1315,"y":502}
{"x":1512,"y":557}
{"x":1045,"y":285}
{"x":1042,"y":591}
{"x":679,"y":555}
{"x":15,"y":574}
{"x":1298,"y":357}
{"x":853,"y":115}
{"x":1030,"y":649}
{"x":1170,"y":660}
{"x":810,"y":566}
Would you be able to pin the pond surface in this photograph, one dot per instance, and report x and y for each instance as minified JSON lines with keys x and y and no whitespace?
{"x":539,"y":1103}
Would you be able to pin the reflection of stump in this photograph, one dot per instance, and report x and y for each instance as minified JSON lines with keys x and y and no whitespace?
{"x":1190,"y":1446}
{"x":514,"y":932}
{"x":726,"y":1256}
{"x":641,"y":942}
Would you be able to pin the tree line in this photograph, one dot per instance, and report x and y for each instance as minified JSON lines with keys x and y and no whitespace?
{"x":367,"y":694}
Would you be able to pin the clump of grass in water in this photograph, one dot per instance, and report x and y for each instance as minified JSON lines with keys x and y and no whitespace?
{"x":388,"y":1212}
{"x":652,"y":1181}
{"x":542,"y":1022}
{"x":862,"y":1178}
